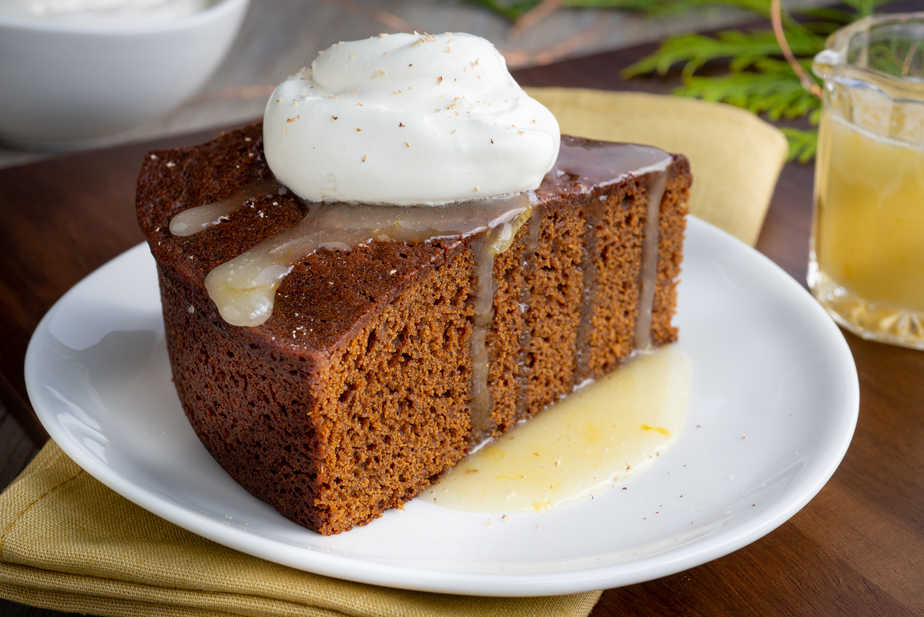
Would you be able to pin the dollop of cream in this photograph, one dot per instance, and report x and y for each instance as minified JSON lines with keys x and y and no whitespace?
{"x":408,"y":119}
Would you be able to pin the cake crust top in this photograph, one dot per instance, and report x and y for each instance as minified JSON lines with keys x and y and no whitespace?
{"x":341,"y":288}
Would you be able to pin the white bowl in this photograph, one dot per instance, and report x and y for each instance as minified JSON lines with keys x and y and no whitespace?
{"x":65,"y":86}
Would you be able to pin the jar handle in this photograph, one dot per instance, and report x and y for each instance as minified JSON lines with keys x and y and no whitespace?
{"x":777,"y":20}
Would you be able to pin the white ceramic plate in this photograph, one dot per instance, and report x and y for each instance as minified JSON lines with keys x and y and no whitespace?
{"x":773,"y":406}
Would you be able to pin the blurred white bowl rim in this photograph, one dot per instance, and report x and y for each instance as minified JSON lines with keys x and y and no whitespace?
{"x":66,"y":86}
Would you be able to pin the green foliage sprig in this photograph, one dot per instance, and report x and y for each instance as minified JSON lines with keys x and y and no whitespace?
{"x":514,"y":9}
{"x":743,"y":50}
{"x":755,"y":78}
{"x":802,"y":144}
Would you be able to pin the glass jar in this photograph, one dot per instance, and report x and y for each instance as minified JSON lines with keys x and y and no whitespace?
{"x":866,"y":264}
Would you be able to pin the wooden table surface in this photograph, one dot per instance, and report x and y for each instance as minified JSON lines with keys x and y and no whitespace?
{"x":856,"y":549}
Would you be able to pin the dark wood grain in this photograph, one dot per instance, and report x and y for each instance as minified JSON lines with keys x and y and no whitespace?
{"x":60,"y":220}
{"x":16,"y":449}
{"x":857,"y":549}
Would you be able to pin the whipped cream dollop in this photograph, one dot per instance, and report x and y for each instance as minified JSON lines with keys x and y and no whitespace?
{"x":408,"y":119}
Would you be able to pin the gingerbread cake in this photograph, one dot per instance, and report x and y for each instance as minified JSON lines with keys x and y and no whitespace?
{"x":385,"y":361}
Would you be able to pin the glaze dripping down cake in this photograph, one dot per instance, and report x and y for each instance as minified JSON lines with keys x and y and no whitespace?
{"x":383,"y":362}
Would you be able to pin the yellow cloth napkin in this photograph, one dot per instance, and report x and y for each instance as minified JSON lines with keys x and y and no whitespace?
{"x":69,"y":543}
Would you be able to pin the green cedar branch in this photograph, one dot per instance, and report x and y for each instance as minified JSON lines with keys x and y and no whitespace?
{"x":803,"y":145}
{"x":743,"y":49}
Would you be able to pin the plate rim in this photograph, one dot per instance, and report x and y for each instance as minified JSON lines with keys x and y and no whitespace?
{"x":584,"y":579}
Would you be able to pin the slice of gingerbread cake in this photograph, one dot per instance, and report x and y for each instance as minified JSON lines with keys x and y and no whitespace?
{"x":336,"y":353}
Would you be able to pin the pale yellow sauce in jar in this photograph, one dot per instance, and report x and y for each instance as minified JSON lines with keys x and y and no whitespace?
{"x":869,"y":222}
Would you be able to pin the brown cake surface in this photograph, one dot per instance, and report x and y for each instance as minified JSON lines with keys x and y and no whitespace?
{"x":357,"y":392}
